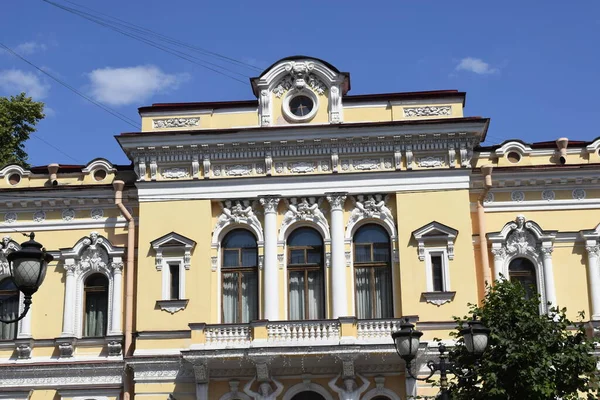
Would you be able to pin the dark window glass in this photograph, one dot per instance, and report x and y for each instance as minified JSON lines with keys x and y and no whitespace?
{"x":301,"y":106}
{"x":96,"y":306}
{"x":308,"y":395}
{"x":239,"y":277}
{"x":9,"y":309}
{"x":437,"y":273}
{"x":174,"y":272}
{"x":306,"y":298}
{"x":372,"y":272}
{"x":522,"y":270}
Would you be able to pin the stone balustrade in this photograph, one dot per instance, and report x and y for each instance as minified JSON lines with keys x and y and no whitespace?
{"x":345,"y":330}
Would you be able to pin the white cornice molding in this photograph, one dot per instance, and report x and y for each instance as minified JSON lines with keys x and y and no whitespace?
{"x":246,"y":139}
{"x":60,"y":375}
{"x":309,"y":185}
{"x":54,"y":225}
{"x":14,"y":168}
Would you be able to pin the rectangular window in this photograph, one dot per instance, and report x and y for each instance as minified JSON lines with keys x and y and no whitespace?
{"x":437,"y":272}
{"x":174,"y":275}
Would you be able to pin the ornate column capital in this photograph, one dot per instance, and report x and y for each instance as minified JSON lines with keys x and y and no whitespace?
{"x":269,"y":203}
{"x":546,"y":252}
{"x":336,"y":200}
{"x":593,"y":251}
{"x":201,"y":373}
{"x":499,"y":254}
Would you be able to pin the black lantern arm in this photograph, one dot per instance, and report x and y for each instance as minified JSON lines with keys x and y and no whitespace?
{"x":433,"y":367}
{"x":26,"y":307}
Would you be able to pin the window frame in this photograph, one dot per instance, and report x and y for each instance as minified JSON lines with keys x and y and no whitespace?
{"x":432,"y":252}
{"x":239,"y":270}
{"x":166,"y":277}
{"x":307,"y":267}
{"x":85,"y":298}
{"x":372,"y":265}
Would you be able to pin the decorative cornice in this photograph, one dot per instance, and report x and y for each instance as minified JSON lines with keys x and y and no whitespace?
{"x":62,"y":375}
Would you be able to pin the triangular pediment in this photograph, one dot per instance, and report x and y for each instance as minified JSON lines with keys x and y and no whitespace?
{"x":435,"y":230}
{"x":171,"y":240}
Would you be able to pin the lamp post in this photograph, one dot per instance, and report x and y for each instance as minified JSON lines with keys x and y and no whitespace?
{"x":27,"y":270}
{"x":407,"y":341}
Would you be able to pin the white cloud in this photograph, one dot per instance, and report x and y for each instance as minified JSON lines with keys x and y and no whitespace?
{"x":15,"y":81}
{"x":123,"y":86}
{"x":30,"y":48}
{"x":476,"y":65}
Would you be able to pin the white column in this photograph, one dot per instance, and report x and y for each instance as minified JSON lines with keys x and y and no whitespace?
{"x":271,"y":273}
{"x":117,"y":297}
{"x":411,"y":386}
{"x":546,"y":252}
{"x":499,"y":257}
{"x":25,"y":323}
{"x":201,"y":391}
{"x":338,"y":259}
{"x":593,"y":253}
{"x":68,"y":316}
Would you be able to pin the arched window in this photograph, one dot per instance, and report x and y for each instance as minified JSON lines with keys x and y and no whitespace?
{"x":373,"y":272}
{"x":309,"y":395}
{"x":239,"y":277}
{"x":305,"y":274}
{"x":9,"y":308}
{"x":522,"y":270}
{"x":96,"y":305}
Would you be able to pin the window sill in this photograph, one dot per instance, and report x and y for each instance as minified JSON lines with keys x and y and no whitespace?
{"x":438,"y":298}
{"x":172,"y":306}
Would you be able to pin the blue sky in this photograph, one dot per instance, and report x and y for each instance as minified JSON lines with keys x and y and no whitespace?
{"x":532,"y":67}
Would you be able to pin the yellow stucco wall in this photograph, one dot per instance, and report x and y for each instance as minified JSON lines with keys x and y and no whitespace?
{"x":191,"y":219}
{"x":412,"y":270}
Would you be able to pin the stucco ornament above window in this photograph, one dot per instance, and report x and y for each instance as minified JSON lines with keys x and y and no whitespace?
{"x":304,"y":209}
{"x":371,"y":207}
{"x":238,"y":212}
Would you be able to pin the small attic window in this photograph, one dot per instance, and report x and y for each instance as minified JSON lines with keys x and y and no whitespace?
{"x":99,"y":175}
{"x":300,"y":105}
{"x":513,"y":157}
{"x":14,"y":179}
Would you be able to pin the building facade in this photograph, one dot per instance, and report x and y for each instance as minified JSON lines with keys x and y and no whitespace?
{"x":268,"y":248}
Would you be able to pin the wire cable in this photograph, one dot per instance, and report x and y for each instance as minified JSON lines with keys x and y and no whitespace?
{"x":109,"y":110}
{"x":190,"y":58}
{"x":172,"y":40}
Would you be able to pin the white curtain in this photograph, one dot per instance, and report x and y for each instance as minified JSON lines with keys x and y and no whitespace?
{"x":249,"y":297}
{"x":9,"y":310}
{"x":230,"y":298}
{"x":296,"y":296}
{"x":96,"y":307}
{"x":383,"y":292}
{"x":363,"y":293}
{"x":315,"y":295}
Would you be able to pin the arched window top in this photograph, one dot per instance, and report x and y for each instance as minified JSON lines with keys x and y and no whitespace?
{"x":305,"y":237}
{"x":96,"y":281}
{"x":521,"y":264}
{"x":372,"y":233}
{"x":239,"y":239}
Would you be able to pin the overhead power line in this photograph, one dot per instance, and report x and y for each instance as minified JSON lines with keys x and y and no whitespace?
{"x":109,"y":110}
{"x":144,"y":35}
{"x":173,"y":40}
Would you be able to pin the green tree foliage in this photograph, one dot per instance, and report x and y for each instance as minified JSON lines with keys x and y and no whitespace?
{"x":530,"y":356}
{"x":18,"y":117}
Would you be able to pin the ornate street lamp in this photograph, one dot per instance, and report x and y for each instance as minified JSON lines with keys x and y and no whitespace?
{"x":27,"y":270}
{"x":407,"y":341}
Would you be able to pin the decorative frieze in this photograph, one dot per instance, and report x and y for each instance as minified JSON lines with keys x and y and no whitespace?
{"x":238,"y":170}
{"x":548,"y":195}
{"x":97,"y":213}
{"x":68,"y":214}
{"x":10,"y":217}
{"x":163,"y":123}
{"x":366,"y":164}
{"x":175,"y":173}
{"x":39,"y":216}
{"x":517,"y":196}
{"x":578,"y":194}
{"x":301,"y":167}
{"x":427,"y":111}
{"x":430,"y":162}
